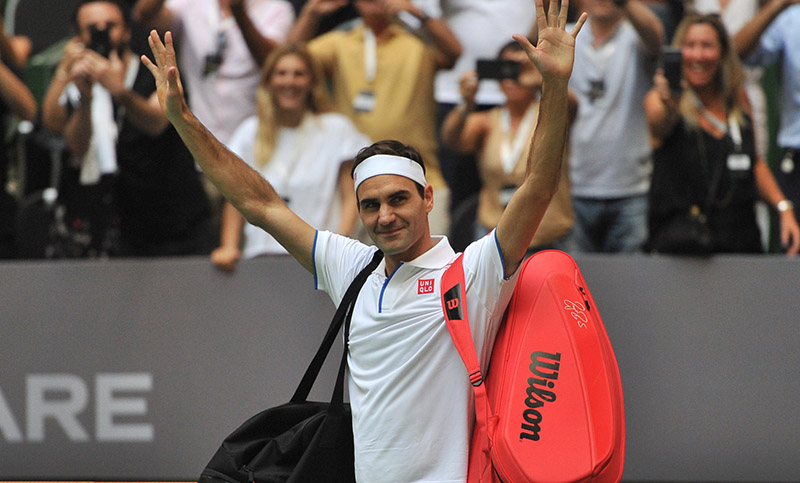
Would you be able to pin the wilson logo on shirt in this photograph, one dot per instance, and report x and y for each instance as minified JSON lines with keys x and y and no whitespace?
{"x":425,"y":286}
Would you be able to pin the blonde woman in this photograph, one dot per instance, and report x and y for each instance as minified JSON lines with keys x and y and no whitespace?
{"x":704,"y":148}
{"x":300,"y":148}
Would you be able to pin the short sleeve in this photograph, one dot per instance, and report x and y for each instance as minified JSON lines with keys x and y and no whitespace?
{"x":273,"y":18}
{"x":771,"y":44}
{"x":337,"y":261}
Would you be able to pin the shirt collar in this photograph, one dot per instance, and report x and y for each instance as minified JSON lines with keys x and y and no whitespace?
{"x":393,"y":29}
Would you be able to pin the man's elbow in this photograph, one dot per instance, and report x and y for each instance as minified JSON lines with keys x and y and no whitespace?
{"x":450,"y":58}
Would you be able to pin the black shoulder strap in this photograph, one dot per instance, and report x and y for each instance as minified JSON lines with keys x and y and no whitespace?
{"x":344,"y":310}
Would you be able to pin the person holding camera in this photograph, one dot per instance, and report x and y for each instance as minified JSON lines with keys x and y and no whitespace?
{"x":126,"y":156}
{"x":498,"y":139}
{"x":706,"y":166}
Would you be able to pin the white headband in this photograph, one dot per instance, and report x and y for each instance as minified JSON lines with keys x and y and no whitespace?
{"x":388,"y":164}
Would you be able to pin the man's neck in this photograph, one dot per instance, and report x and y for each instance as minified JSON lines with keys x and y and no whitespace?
{"x":393,"y":261}
{"x":379,"y":27}
{"x":603,"y":28}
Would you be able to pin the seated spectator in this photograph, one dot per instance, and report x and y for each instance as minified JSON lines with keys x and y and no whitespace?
{"x":302,"y":150}
{"x":15,"y":100}
{"x":500,"y":138}
{"x":705,"y":161}
{"x":382,"y":76}
{"x":107,"y":108}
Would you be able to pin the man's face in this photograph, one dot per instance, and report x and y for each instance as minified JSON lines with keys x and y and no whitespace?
{"x":371,"y":9}
{"x":600,"y":9}
{"x":104,"y":16}
{"x":395,"y":215}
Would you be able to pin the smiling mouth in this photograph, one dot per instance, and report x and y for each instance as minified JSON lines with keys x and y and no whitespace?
{"x":389,"y":232}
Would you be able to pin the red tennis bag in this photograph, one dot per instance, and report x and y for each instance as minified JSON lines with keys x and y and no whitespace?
{"x":551,"y":406}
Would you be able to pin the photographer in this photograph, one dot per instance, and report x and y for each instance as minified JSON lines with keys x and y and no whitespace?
{"x":705,"y":163}
{"x":498,"y":138}
{"x":128,"y":163}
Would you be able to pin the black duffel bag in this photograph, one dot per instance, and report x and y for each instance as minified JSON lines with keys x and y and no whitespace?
{"x":300,"y":441}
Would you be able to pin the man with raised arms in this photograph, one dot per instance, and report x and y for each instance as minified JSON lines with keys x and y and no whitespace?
{"x":409,"y":393}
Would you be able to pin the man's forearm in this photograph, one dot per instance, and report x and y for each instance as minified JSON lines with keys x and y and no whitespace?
{"x":305,"y":28}
{"x":446,"y":42}
{"x":16,"y":95}
{"x":547,"y":145}
{"x":143,"y":113}
{"x":258,"y":45}
{"x":647,"y":25}
{"x":78,"y":130}
{"x":247,"y":190}
{"x":152,"y":14}
{"x":746,"y":39}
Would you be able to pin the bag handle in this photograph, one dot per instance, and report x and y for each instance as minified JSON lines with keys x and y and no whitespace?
{"x":454,"y":296}
{"x":345,"y":310}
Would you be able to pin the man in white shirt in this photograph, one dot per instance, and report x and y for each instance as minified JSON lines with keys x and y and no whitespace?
{"x":408,"y":389}
{"x":223,"y":44}
{"x":610,"y":163}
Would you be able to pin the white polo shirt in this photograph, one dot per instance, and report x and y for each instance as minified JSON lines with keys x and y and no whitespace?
{"x":409,"y":390}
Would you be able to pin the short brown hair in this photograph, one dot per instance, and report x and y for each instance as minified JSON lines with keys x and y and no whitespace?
{"x":396,"y":148}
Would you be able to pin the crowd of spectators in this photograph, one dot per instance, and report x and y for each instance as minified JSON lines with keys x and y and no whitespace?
{"x":297,"y":87}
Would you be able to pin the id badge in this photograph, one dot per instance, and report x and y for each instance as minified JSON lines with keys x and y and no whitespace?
{"x":738,"y":162}
{"x":787,"y":164}
{"x":364,"y":101}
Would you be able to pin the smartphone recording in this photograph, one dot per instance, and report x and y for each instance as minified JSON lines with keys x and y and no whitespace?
{"x":498,"y":69}
{"x":99,"y":41}
{"x":672,"y":64}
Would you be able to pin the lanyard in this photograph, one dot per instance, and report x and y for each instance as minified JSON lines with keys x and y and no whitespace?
{"x":731,"y":128}
{"x":370,"y":55}
{"x":510,"y":150}
{"x":735,"y":132}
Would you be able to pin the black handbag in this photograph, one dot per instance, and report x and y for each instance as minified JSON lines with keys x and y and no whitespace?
{"x":689,"y":233}
{"x":300,"y":441}
{"x":685,"y":234}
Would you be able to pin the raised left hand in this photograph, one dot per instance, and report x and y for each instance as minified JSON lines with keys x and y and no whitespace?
{"x":554,"y":53}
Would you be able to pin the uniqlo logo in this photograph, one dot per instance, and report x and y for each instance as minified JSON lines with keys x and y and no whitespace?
{"x":425,"y":286}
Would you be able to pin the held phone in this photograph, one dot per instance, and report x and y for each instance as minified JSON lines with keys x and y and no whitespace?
{"x":99,"y":41}
{"x":498,"y":69}
{"x":672,"y":63}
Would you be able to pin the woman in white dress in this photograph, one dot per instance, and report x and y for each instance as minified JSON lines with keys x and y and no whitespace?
{"x":303,"y":150}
